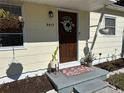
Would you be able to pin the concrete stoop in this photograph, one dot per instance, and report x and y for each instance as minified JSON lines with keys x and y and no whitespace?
{"x":91,"y":86}
{"x":90,"y":82}
{"x":104,"y":90}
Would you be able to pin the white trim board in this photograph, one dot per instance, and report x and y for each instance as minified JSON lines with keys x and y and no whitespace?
{"x":23,"y":76}
{"x":69,"y":64}
{"x":68,"y":10}
{"x":13,"y":47}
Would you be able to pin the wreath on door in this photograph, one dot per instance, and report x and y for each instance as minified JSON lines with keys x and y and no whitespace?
{"x":67,"y":23}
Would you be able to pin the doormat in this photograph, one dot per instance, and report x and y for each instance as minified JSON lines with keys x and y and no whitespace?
{"x":73,"y":71}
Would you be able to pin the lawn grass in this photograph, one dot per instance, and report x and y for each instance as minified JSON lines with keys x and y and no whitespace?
{"x":117,"y":80}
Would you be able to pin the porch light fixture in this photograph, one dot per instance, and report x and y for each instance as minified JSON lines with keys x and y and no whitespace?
{"x":50,"y":13}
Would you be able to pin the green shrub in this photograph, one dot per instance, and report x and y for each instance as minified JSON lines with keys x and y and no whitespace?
{"x":54,"y":55}
{"x":117,"y":80}
{"x":4,"y":13}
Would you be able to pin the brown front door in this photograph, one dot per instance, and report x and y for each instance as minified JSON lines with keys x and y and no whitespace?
{"x":67,"y":36}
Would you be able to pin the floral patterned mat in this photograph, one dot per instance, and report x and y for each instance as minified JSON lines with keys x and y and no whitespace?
{"x":72,"y":71}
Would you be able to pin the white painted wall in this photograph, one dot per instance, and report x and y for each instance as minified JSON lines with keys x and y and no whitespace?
{"x":106,"y":44}
{"x":40,"y":40}
{"x":84,"y":23}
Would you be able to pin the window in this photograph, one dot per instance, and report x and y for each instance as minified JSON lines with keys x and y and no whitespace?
{"x":11,"y":37}
{"x":110,"y":25}
{"x":120,"y":2}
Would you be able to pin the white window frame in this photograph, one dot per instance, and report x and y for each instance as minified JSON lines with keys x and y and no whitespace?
{"x":20,"y":47}
{"x":110,"y":17}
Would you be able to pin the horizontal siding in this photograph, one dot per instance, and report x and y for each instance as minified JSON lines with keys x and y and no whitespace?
{"x":106,"y":44}
{"x":35,"y":56}
{"x":81,"y":46}
{"x":40,"y":39}
{"x":37,"y":18}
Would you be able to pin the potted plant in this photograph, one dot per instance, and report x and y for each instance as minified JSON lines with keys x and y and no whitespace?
{"x":88,"y":59}
{"x":10,"y":23}
{"x":54,"y":61}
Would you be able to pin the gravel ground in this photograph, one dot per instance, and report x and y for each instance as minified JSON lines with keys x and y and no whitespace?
{"x":115,"y":72}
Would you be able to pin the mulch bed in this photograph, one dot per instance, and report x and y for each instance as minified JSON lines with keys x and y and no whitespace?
{"x":39,"y":84}
{"x":112,"y":65}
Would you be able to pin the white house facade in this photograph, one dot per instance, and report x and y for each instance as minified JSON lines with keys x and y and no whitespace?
{"x":47,"y":26}
{"x":108,"y":43}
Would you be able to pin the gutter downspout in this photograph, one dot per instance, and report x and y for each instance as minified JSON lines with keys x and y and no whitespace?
{"x":122,"y":51}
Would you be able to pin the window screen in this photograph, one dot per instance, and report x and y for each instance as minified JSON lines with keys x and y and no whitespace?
{"x":11,"y":37}
{"x":110,"y":25}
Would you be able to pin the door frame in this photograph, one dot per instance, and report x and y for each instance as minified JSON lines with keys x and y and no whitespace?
{"x":73,"y":63}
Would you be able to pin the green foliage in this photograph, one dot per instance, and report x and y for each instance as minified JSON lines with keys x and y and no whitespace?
{"x":4,"y":13}
{"x":89,"y":57}
{"x":54,"y":54}
{"x":87,"y":60}
{"x":110,"y":67}
{"x":117,"y":80}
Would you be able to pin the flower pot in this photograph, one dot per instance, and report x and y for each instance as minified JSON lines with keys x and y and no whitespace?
{"x":89,"y":64}
{"x":54,"y":64}
{"x":10,"y":25}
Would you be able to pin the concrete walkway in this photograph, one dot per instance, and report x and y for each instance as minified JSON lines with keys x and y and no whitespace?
{"x":105,"y":90}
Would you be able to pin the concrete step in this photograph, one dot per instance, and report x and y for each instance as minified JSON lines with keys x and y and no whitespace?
{"x":65,"y":84}
{"x":108,"y":90}
{"x":91,"y":86}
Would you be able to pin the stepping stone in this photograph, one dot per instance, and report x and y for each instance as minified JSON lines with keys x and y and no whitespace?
{"x":91,"y":86}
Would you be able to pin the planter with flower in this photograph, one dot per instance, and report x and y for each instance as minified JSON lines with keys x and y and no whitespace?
{"x":88,"y":59}
{"x":54,"y":62}
{"x":10,"y":24}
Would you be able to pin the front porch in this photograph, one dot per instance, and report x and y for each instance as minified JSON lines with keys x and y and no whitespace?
{"x":41,"y":52}
{"x":83,"y":83}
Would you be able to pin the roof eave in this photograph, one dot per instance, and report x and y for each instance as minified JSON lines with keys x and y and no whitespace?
{"x":115,"y":7}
